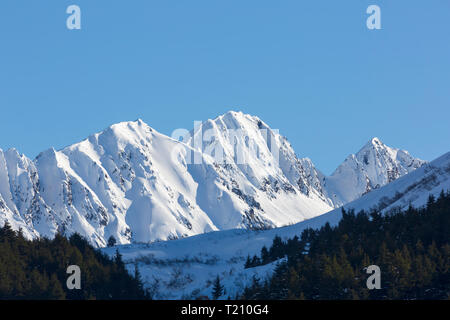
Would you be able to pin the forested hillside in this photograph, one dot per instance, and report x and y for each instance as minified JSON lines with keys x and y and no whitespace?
{"x":37,"y":270}
{"x":411,"y":248}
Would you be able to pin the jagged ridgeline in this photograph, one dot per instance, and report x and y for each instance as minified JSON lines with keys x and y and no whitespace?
{"x":38,"y":270}
{"x":411,"y":247}
{"x":136,"y":185}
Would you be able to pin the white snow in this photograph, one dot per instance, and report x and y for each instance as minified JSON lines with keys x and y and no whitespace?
{"x":182,"y":268}
{"x":374,"y":166}
{"x":138,"y":185}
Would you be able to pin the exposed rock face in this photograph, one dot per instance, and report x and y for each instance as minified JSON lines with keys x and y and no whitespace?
{"x":138,"y":185}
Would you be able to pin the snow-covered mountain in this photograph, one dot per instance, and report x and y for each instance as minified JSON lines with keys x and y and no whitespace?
{"x":374,"y":166}
{"x":21,"y":203}
{"x":138,"y":185}
{"x":182,"y":269}
{"x":260,"y":154}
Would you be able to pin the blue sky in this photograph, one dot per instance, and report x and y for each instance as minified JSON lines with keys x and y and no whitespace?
{"x":309,"y":68}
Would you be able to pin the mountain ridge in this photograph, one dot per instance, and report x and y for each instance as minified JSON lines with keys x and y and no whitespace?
{"x":229,"y":249}
{"x":135,"y":184}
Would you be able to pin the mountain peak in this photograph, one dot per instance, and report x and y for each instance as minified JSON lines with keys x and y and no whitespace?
{"x":376,"y":141}
{"x":136,"y":184}
{"x":48,"y":152}
{"x":123,"y":133}
{"x":233,"y":119}
{"x":372,"y":167}
{"x":233,"y":113}
{"x":127,"y":125}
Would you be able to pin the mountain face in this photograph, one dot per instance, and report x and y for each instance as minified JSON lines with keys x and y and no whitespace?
{"x":374,"y":166}
{"x":138,"y":185}
{"x":226,"y":251}
{"x":20,"y":201}
{"x":262,"y":158}
{"x":412,"y":189}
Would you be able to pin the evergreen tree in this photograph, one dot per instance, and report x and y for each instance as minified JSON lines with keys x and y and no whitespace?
{"x":218,"y":289}
{"x":412,"y":249}
{"x":265,"y":258}
{"x":431,"y":200}
{"x":277,"y":249}
{"x":37,"y":269}
{"x":118,"y":260}
{"x":255,"y":261}
{"x":112,"y":241}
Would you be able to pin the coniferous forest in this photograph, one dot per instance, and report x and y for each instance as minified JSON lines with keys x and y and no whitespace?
{"x":411,"y":249}
{"x":37,"y":270}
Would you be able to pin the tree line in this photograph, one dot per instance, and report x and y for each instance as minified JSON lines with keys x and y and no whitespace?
{"x":37,"y":269}
{"x":411,"y":247}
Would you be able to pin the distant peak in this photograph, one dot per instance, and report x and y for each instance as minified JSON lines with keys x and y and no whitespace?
{"x":373,"y":143}
{"x":50,"y":153}
{"x":240,"y":117}
{"x":125,"y":126}
{"x":13,"y":151}
{"x":140,"y":122}
{"x":376,"y":141}
{"x":237,"y":114}
{"x":233,"y":113}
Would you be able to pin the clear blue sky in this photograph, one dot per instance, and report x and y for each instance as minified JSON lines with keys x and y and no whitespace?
{"x":309,"y":68}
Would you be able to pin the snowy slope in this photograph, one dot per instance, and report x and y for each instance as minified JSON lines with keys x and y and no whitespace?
{"x":411,"y":189}
{"x":374,"y":166}
{"x":135,"y":184}
{"x":182,"y":268}
{"x":20,"y":201}
{"x":122,"y":182}
{"x":138,"y":185}
{"x":260,"y":166}
{"x":260,"y":154}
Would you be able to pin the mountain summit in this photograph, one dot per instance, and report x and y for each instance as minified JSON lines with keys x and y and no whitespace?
{"x":372,"y":167}
{"x":135,"y":184}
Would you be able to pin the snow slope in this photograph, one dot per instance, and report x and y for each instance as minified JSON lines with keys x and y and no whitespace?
{"x":183,"y":269}
{"x":138,"y":185}
{"x":135,"y":184}
{"x":260,"y":154}
{"x":412,"y":189}
{"x":374,"y":166}
{"x":20,"y":197}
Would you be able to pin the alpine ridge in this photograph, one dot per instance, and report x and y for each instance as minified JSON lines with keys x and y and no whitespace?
{"x":374,"y":166}
{"x":135,"y":184}
{"x":200,"y":258}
